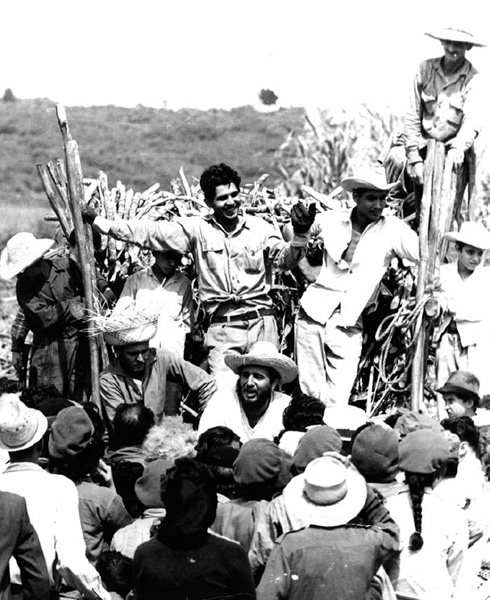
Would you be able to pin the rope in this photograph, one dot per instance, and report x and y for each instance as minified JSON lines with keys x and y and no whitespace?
{"x":407,"y":315}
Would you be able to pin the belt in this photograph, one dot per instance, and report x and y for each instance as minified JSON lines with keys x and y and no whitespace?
{"x":257,"y":313}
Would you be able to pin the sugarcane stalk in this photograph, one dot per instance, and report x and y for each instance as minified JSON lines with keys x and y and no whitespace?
{"x":84,"y":240}
{"x":54,"y":200}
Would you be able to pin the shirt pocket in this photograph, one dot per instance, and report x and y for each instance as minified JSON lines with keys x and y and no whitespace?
{"x":214,"y":253}
{"x":455,"y":110}
{"x":429,"y":102}
{"x":253,"y":261}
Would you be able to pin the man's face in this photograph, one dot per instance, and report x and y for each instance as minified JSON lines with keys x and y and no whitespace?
{"x":255,"y":386}
{"x":454,"y":52}
{"x":226,"y":204}
{"x":456,"y":406}
{"x":167,"y":262}
{"x":470,"y":257}
{"x":133,"y":358}
{"x":370,"y":204}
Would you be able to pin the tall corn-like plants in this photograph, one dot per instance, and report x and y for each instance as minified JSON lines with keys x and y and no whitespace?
{"x":331,"y":146}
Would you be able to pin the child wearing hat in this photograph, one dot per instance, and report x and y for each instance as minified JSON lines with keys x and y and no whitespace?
{"x":434,"y":533}
{"x":464,"y":289}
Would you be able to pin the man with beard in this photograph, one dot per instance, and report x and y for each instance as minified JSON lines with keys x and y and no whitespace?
{"x":253,"y":409}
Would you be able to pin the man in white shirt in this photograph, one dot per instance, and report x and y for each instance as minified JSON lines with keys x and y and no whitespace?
{"x":358,"y":248}
{"x":253,"y":409}
{"x":52,"y":501}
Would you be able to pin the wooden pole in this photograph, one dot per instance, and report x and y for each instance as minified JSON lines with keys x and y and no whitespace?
{"x":54,"y":199}
{"x":83,"y":237}
{"x":418,"y":365}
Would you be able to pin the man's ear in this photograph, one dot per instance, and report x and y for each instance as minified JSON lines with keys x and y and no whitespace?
{"x":275,"y":383}
{"x":463,"y":449}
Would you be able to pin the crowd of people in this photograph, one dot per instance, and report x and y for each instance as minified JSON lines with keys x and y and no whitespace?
{"x":277,"y":487}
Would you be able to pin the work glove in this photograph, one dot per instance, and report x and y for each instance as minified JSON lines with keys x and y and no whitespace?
{"x":89,"y":214}
{"x":302,"y":218}
{"x":18,"y":364}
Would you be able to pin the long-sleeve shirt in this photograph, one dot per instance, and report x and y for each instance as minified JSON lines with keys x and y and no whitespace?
{"x":117,"y":387}
{"x":325,"y":563}
{"x":232,"y":268}
{"x":350,"y":285}
{"x":171,"y":299}
{"x":19,"y":539}
{"x":432,"y":571}
{"x":52,"y":504}
{"x":443,"y":107}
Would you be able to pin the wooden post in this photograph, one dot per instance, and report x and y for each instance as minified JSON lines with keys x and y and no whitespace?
{"x":83,"y":237}
{"x":54,"y":200}
{"x":418,"y":365}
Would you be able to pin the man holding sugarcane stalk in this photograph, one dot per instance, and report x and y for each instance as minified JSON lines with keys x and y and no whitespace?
{"x":232,"y":254}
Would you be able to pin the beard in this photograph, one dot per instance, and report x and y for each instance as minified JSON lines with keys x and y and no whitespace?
{"x":259,"y":397}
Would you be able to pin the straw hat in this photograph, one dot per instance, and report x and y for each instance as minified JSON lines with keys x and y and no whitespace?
{"x":369,"y":178}
{"x":327,"y":494}
{"x":20,"y":427}
{"x":472,"y":234}
{"x":264,"y":354}
{"x":454,"y":35}
{"x":128,"y":327}
{"x":21,"y":251}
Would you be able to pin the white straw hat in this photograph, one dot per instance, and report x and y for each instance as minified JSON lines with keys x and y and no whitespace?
{"x":472,"y":234}
{"x":264,"y":354}
{"x":21,"y":251}
{"x":128,"y":327}
{"x":328,"y":493}
{"x":20,"y":427}
{"x":369,"y":178}
{"x":455,"y":35}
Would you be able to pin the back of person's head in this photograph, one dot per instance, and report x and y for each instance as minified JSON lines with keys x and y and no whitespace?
{"x":190,"y":498}
{"x":314,"y":443}
{"x":33,"y":395}
{"x":423,"y":455}
{"x":217,"y":175}
{"x":76,"y":443}
{"x":302,"y":412}
{"x":9,"y":386}
{"x":116,"y":572}
{"x":375,"y":452}
{"x":125,"y":474}
{"x":465,"y":429}
{"x":220,"y":460}
{"x":172,"y":438}
{"x":215,"y":437}
{"x":131,"y":424}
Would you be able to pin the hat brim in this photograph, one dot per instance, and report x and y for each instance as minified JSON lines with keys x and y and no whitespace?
{"x":302,"y":510}
{"x":456,"y":389}
{"x":283,"y":365}
{"x":454,"y":37}
{"x":9,"y":270}
{"x":455,"y":236}
{"x":353,"y":183}
{"x":42,"y":427}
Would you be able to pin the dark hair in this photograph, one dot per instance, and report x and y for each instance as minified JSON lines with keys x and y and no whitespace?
{"x":301,"y":412}
{"x":465,"y":429}
{"x":9,"y":386}
{"x":125,"y":474}
{"x":417,"y":483}
{"x":214,"y":437}
{"x":215,"y":176}
{"x":116,"y":572}
{"x":33,"y":395}
{"x":131,"y":424}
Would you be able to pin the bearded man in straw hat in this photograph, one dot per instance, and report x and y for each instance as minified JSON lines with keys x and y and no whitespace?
{"x":254,"y":408}
{"x":52,"y":502}
{"x":464,"y":288}
{"x":138,"y":373}
{"x":232,"y":253}
{"x":332,"y":557}
{"x":358,"y":248}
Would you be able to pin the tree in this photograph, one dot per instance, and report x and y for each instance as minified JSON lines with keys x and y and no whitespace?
{"x":8,"y":96}
{"x":267,"y":97}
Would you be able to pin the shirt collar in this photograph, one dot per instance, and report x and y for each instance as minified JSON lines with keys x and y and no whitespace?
{"x":463,"y":72}
{"x":242,"y":223}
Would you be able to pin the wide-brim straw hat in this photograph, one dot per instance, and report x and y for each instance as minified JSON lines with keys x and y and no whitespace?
{"x":264,"y":354}
{"x":128,"y":327}
{"x":455,"y":35}
{"x":368,"y":179}
{"x":471,"y":234}
{"x":20,"y":426}
{"x":328,"y":493}
{"x":21,"y":251}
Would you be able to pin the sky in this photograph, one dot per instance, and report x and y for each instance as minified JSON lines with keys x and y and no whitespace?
{"x":221,"y":53}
